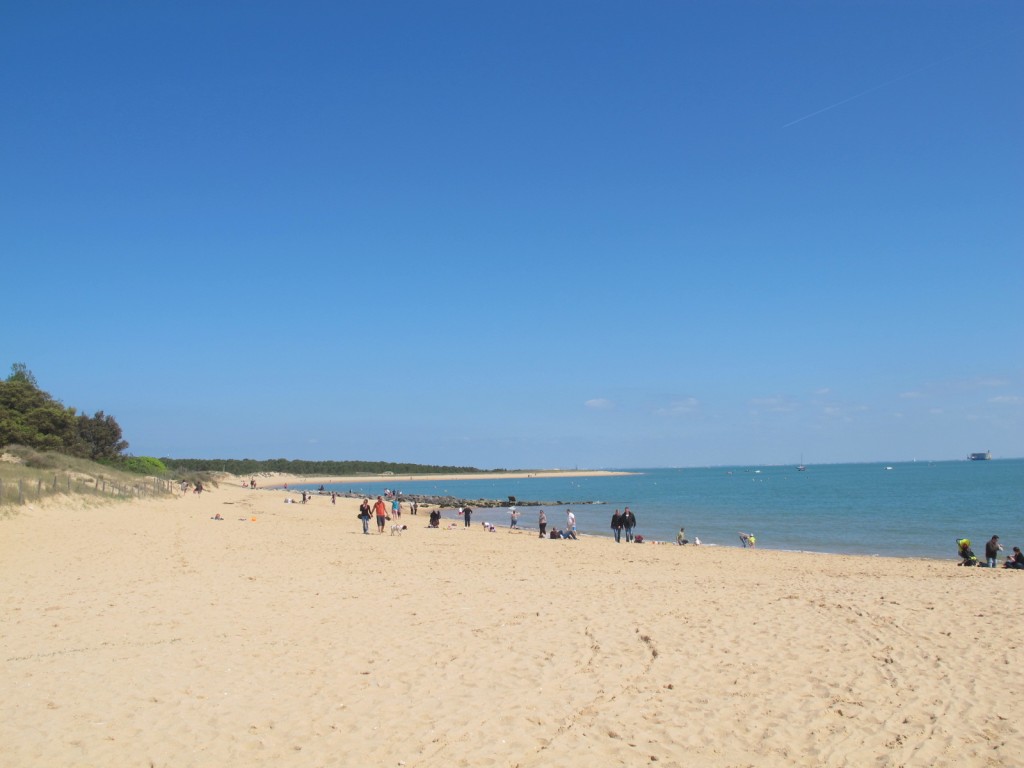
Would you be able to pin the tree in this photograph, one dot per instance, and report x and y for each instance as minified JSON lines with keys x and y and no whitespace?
{"x":101,"y":435}
{"x":29,"y":416}
{"x":20,"y":372}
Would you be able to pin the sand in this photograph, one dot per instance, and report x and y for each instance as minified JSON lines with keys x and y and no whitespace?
{"x":146,"y":634}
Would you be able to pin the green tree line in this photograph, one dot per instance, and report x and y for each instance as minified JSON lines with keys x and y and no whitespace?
{"x":302,"y":467}
{"x":34,"y":418}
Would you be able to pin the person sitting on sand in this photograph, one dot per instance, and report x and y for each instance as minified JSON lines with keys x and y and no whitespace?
{"x":555,"y":534}
{"x":681,"y":537}
{"x":1016,"y":560}
{"x":435,"y":518}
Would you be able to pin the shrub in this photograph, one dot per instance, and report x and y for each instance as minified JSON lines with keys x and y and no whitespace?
{"x":144,"y":465}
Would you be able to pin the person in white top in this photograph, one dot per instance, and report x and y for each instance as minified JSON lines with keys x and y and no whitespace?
{"x":570,"y":522}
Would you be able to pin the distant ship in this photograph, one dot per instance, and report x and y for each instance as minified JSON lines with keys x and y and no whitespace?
{"x":986,"y":456}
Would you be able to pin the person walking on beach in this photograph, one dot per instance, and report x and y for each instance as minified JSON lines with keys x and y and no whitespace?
{"x":542,"y":522}
{"x":467,"y":513}
{"x":628,"y":523}
{"x":992,"y":550}
{"x":616,"y":525}
{"x":364,"y":515}
{"x":381,"y":511}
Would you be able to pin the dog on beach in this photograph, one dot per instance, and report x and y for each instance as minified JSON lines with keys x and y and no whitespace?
{"x":396,"y":529}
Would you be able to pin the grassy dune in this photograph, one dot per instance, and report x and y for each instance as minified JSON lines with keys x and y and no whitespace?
{"x":28,"y":477}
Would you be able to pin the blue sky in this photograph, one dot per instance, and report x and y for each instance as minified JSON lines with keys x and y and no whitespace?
{"x":520,"y":234}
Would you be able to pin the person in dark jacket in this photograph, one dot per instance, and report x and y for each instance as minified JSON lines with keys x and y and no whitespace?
{"x":617,"y":526}
{"x":1016,"y":560}
{"x":364,"y":515}
{"x":628,"y":523}
{"x":992,"y":550}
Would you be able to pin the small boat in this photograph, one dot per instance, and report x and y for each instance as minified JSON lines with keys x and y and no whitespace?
{"x":986,"y":456}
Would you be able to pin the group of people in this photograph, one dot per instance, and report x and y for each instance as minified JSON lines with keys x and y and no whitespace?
{"x":623,"y":523}
{"x":569,"y":532}
{"x":379,"y":511}
{"x":992,"y":550}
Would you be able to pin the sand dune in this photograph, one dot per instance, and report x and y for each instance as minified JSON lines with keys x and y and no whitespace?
{"x":145,"y":633}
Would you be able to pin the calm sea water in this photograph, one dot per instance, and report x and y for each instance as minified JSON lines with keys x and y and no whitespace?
{"x":906,"y":509}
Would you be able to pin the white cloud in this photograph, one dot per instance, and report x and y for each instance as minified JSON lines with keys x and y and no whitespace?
{"x":1007,"y":399}
{"x":678,"y":407}
{"x":599,"y":404}
{"x":773,"y":404}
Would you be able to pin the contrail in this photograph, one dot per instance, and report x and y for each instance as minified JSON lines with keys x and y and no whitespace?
{"x":872,"y":89}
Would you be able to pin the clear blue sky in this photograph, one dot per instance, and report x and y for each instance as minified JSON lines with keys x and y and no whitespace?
{"x":520,"y":234}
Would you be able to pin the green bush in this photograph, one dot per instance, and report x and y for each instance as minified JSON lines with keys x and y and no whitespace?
{"x":144,"y":465}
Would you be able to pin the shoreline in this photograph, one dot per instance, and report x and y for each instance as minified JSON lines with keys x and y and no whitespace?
{"x":283,"y":482}
{"x":281,"y":479}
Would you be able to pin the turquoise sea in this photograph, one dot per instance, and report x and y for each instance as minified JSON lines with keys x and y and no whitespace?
{"x":912,"y":509}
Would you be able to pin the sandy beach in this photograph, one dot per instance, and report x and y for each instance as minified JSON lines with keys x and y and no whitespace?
{"x":146,"y":633}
